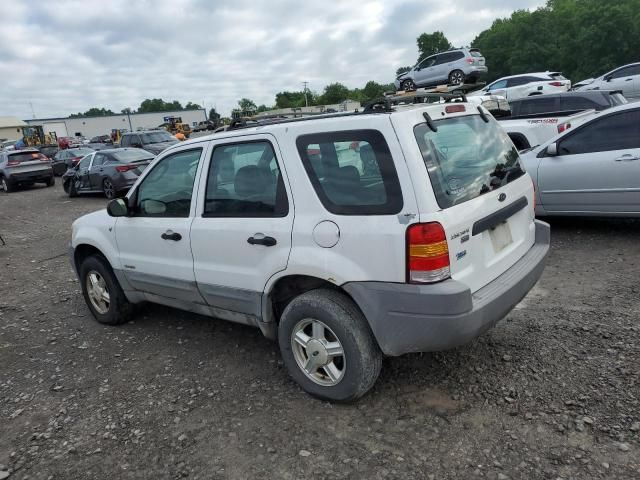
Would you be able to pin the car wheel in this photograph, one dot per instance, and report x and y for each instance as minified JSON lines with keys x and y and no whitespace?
{"x":6,"y":185}
{"x":73,"y":188}
{"x":327,"y":346}
{"x":102,"y":292}
{"x":50,"y":181}
{"x":456,"y":77}
{"x":408,"y":84}
{"x":108,"y":189}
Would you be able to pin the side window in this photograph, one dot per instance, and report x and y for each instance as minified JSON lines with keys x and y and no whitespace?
{"x":167,"y":190}
{"x":518,"y":81}
{"x":577,"y":103}
{"x":244,"y":180}
{"x":626,"y":72}
{"x":497,"y":85}
{"x":613,"y":132}
{"x":84,"y":163}
{"x":428,"y":62}
{"x":352,"y":172}
{"x":456,"y":56}
{"x":99,"y":159}
{"x":124,"y":141}
{"x":443,"y":58}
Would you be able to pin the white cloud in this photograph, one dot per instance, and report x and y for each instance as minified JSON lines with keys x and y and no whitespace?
{"x":70,"y":55}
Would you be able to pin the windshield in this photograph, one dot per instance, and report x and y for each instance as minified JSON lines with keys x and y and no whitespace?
{"x":475,"y":53}
{"x":79,"y":152}
{"x":156,"y":137}
{"x":466,"y":158}
{"x":26,"y":156}
{"x":126,"y":156}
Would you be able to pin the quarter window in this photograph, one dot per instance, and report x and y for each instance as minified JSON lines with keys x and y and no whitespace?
{"x":167,"y":190}
{"x":613,"y":132}
{"x":352,"y":172}
{"x":244,"y":180}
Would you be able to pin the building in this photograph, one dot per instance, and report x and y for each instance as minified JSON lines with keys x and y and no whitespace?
{"x":94,"y":126}
{"x":11,"y":128}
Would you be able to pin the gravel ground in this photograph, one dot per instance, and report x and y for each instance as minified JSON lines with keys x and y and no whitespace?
{"x":552,"y":392}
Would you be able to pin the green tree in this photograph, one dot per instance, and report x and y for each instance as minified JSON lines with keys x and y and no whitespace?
{"x":127,"y":110}
{"x":213,"y":115}
{"x":158,"y":105}
{"x":192,"y":106}
{"x":246,"y":105}
{"x":292,"y":99}
{"x":93,"y":112}
{"x":334,"y":93}
{"x":430,"y":43}
{"x":402,"y":70}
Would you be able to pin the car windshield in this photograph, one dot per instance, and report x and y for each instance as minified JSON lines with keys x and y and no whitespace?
{"x":156,"y":137}
{"x":475,"y":53}
{"x":557,"y":76}
{"x":467,"y":157}
{"x":26,"y":156}
{"x":79,"y":152}
{"x":126,"y":156}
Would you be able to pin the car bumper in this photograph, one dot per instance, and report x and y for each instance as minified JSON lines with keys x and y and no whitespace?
{"x":27,"y":177}
{"x":408,"y":318}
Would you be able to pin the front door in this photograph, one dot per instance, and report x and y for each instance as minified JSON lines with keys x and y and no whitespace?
{"x":154,"y":242}
{"x":241,"y":235}
{"x":96,"y":171}
{"x":597,"y":167}
{"x":82,"y":174}
{"x":424,"y":72}
{"x":625,"y":79}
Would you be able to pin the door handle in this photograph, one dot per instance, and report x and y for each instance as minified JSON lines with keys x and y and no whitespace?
{"x":170,"y":235}
{"x":628,"y":79}
{"x":266,"y":241}
{"x":627,"y":158}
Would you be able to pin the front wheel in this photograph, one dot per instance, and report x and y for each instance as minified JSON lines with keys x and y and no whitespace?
{"x":456,"y":77}
{"x":408,"y":84}
{"x":6,"y":185}
{"x":102,"y":292}
{"x":73,"y":188}
{"x":327,"y":346}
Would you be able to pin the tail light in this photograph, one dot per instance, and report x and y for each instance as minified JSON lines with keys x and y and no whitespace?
{"x":43,"y":158}
{"x":564,"y":127}
{"x":125,"y":168}
{"x":454,"y":108}
{"x":556,"y":84}
{"x":469,"y":61}
{"x":75,"y":160}
{"x":427,"y":253}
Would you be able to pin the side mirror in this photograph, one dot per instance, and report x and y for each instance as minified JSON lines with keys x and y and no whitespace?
{"x":118,"y":208}
{"x":552,"y":149}
{"x":607,"y":79}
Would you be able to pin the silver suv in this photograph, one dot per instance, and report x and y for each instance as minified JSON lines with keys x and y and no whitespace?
{"x":453,"y":67}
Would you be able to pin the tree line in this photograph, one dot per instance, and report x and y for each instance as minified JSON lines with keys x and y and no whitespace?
{"x":147,"y":106}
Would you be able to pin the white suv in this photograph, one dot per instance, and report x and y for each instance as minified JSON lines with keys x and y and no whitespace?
{"x":520,"y":86}
{"x":345,"y":237}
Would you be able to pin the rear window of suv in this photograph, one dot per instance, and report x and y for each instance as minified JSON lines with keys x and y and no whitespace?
{"x":352,"y":172}
{"x":466,"y":158}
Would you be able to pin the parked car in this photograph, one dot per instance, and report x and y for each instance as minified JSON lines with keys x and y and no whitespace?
{"x":204,"y":126}
{"x":24,"y":167}
{"x":49,"y":150}
{"x":8,"y":145}
{"x":625,"y":79}
{"x":592,"y":169}
{"x":111,"y":172}
{"x":519,"y":86}
{"x":68,"y":158}
{"x":566,"y":103}
{"x":454,"y":67}
{"x":68,"y":142}
{"x":209,"y":227}
{"x":101,"y":139}
{"x":154,"y":141}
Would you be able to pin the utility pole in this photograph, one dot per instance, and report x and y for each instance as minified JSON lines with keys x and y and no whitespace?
{"x":33,"y":113}
{"x":304,"y":85}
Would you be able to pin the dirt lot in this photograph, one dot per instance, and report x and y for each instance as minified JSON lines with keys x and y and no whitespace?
{"x":552,"y":392}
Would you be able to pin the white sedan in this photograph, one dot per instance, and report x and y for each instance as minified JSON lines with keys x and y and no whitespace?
{"x":592,"y":169}
{"x":626,"y":79}
{"x":520,"y":86}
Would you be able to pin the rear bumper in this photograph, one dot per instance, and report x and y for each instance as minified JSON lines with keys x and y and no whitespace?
{"x":34,"y":176}
{"x":408,"y":318}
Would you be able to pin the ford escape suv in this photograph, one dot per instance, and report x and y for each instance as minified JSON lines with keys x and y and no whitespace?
{"x":346,"y":237}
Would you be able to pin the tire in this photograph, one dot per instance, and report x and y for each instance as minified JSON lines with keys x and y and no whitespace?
{"x":73,"y":191}
{"x":116,"y":309}
{"x":50,"y":182}
{"x":355,"y":371}
{"x":6,"y":185}
{"x":456,"y":77}
{"x":408,"y":85}
{"x":108,"y":189}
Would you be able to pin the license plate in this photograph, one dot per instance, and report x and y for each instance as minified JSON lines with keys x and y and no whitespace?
{"x":500,"y":237}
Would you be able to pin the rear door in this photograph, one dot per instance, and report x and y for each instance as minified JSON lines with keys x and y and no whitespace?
{"x":83,"y":181}
{"x":468,"y":178}
{"x":23,"y":163}
{"x":626,"y":79}
{"x":241,"y":235}
{"x":96,"y":171}
{"x":597,"y":168}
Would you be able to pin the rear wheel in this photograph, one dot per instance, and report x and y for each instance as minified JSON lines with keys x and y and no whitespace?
{"x":456,"y":77}
{"x":108,"y":189}
{"x":6,"y":185}
{"x":102,"y":292}
{"x":327,"y":346}
{"x":408,"y":84}
{"x":73,"y":188}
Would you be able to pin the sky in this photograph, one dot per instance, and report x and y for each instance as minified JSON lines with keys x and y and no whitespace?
{"x":66,"y":56}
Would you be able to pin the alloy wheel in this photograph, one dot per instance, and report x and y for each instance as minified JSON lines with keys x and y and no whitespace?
{"x":109,"y":191}
{"x":98,"y":292}
{"x":318,"y":352}
{"x":457,"y":78}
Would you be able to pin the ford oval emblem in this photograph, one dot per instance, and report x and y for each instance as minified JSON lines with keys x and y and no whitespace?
{"x":502,"y":197}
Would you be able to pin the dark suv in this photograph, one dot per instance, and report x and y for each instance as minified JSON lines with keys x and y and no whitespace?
{"x":566,"y":103}
{"x":154,"y":141}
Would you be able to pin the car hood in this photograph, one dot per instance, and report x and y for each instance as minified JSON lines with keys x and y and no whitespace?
{"x":158,"y":147}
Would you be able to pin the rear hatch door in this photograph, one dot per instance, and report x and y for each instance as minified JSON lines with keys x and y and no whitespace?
{"x":477,"y":57}
{"x":483,"y":198}
{"x":29,"y":161}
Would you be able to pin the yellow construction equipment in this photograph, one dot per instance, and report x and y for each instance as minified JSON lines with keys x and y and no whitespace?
{"x":175,"y":125}
{"x":34,"y":136}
